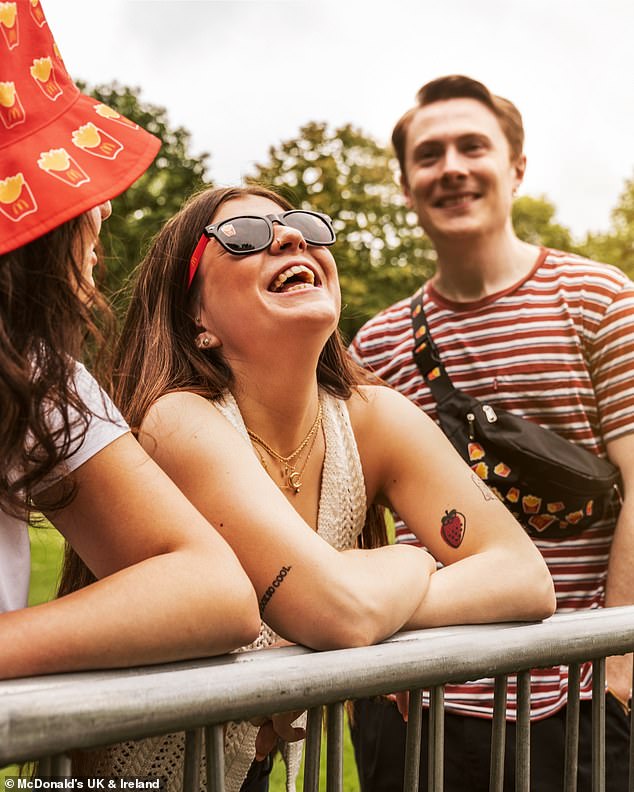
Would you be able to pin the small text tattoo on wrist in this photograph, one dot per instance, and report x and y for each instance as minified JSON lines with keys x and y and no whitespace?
{"x":277,"y":582}
{"x":486,"y":492}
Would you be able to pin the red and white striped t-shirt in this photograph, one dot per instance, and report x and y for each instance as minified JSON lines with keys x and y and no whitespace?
{"x":557,"y":347}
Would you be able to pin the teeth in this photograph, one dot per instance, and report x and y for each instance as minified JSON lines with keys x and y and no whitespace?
{"x":297,"y":269}
{"x":455,"y":200}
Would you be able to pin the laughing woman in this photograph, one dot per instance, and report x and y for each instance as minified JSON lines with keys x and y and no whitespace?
{"x":232,"y":369}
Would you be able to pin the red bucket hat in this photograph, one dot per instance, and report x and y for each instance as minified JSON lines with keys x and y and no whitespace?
{"x":61,"y":152}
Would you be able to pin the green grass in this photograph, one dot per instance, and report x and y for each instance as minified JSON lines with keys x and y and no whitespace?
{"x":47,"y":547}
{"x":350,"y":778}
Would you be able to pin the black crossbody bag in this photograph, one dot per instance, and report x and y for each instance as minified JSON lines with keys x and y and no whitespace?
{"x":553,"y":487}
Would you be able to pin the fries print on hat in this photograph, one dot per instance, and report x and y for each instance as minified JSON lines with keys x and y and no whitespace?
{"x":95,"y":141}
{"x":59,"y":163}
{"x":43,"y":72}
{"x":11,"y":110}
{"x":107,"y":112}
{"x":9,"y":24}
{"x":16,"y":198}
{"x":37,"y":13}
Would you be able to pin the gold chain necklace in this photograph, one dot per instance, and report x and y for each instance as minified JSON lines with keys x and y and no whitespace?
{"x":290,"y":474}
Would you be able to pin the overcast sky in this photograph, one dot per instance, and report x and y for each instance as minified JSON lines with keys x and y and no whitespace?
{"x":242,"y":75}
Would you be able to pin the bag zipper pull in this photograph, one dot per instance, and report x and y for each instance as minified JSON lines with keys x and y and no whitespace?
{"x":471,"y":420}
{"x":489,"y":413}
{"x":618,"y":494}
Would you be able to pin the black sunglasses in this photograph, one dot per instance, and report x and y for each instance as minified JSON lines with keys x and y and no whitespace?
{"x":247,"y":234}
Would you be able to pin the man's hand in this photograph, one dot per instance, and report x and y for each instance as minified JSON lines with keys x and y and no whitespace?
{"x":618,"y":674}
{"x":274,"y":728}
{"x":402,"y":702}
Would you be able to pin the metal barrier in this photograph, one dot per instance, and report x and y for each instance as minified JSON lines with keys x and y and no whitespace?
{"x":42,"y":717}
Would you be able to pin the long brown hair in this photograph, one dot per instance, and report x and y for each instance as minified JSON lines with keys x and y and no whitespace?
{"x":43,"y":325}
{"x":156,"y":354}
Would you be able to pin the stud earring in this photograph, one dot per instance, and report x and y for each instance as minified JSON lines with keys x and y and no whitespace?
{"x":206,"y":342}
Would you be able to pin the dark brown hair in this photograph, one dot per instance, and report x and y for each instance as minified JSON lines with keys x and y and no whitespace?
{"x":457,"y":86}
{"x":43,"y":324}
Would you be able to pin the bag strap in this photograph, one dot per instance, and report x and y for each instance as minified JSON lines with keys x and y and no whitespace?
{"x":426,"y":355}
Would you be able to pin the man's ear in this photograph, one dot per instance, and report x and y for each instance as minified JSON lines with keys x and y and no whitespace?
{"x":520,"y":170}
{"x":406,"y":191}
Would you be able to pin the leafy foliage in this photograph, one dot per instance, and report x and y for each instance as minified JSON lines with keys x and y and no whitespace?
{"x":534,"y":222}
{"x":617,"y":245}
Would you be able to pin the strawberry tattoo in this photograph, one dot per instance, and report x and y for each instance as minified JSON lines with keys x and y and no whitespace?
{"x":453,"y":526}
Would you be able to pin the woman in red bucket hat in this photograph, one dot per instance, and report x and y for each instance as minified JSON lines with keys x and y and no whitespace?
{"x":64,"y":447}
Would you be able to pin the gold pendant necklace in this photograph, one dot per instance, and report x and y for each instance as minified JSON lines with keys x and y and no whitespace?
{"x":291,"y":476}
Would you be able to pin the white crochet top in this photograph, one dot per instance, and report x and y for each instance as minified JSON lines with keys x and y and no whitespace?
{"x":341,"y":516}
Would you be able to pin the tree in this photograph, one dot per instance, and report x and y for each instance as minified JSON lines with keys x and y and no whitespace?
{"x":533,"y":221}
{"x":381,"y":252}
{"x":617,"y":245}
{"x":143,"y":208}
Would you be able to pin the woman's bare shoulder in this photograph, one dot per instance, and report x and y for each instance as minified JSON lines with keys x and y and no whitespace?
{"x":378,"y":404}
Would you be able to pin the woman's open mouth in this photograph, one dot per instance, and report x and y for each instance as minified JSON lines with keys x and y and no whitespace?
{"x":295,"y":278}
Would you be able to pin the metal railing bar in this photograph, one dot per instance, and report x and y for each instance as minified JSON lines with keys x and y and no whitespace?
{"x":193,"y":756}
{"x":215,"y":758}
{"x":86,"y":710}
{"x":571,"y":757}
{"x":498,"y":735}
{"x":413,"y":741}
{"x":523,"y":733}
{"x":334,"y":748}
{"x":312,"y":749}
{"x":436,"y":745}
{"x":598,"y":725}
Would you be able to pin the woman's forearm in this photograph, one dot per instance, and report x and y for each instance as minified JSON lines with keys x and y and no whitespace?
{"x":165,"y":608}
{"x":486,"y":587}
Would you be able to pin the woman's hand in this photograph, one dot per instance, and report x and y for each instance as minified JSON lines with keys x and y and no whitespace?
{"x":276,"y":727}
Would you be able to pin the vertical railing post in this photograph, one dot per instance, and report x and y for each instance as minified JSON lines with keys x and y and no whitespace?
{"x":523,"y":733}
{"x":215,"y":750}
{"x":436,"y":739}
{"x":498,"y":735}
{"x":571,"y":760}
{"x":413,"y":741}
{"x":44,"y":766}
{"x":334,"y":748}
{"x":598,"y":725}
{"x":193,"y":756}
{"x":313,"y":750}
{"x":61,"y":766}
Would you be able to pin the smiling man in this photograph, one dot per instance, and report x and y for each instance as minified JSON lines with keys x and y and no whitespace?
{"x":548,"y":336}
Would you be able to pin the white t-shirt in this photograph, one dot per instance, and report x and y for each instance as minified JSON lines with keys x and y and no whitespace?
{"x":105,"y":425}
